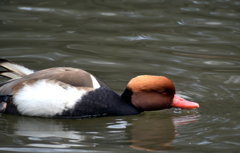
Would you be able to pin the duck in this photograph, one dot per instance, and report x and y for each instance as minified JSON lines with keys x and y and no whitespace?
{"x":66,"y":92}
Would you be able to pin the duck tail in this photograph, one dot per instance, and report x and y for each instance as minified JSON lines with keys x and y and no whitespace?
{"x":12,"y":70}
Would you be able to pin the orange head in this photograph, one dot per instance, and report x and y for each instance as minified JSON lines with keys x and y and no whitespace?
{"x":149,"y":92}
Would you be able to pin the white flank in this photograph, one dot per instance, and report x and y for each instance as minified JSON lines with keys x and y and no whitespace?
{"x":19,"y":69}
{"x":95,"y":82}
{"x":46,"y":98}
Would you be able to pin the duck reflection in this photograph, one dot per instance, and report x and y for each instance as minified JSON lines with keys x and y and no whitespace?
{"x":147,"y":132}
{"x":38,"y":128}
{"x":152,"y":133}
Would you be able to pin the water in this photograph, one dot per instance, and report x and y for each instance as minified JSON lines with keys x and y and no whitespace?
{"x":193,"y":42}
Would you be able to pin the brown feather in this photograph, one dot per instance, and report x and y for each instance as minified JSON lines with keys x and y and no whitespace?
{"x":72,"y":76}
{"x":151,"y":83}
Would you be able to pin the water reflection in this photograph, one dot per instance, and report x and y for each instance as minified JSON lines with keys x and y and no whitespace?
{"x":149,"y":133}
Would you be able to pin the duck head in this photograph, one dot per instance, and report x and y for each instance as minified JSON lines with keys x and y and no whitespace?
{"x":147,"y":92}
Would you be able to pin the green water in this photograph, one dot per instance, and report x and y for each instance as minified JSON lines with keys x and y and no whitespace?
{"x":193,"y":42}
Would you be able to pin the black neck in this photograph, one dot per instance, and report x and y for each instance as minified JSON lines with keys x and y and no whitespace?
{"x":127,"y":95}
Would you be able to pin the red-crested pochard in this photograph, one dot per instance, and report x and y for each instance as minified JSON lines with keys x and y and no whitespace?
{"x":74,"y":93}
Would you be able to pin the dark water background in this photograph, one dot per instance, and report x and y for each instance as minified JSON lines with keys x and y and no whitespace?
{"x":196,"y":43}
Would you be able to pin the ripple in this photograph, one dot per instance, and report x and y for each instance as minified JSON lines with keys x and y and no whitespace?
{"x":218,"y":63}
{"x":41,"y":145}
{"x":137,"y":38}
{"x":234,"y":79}
{"x":57,"y":11}
{"x":190,"y":9}
{"x":37,"y":9}
{"x":25,"y":36}
{"x":213,"y":23}
{"x":118,"y":125}
{"x":102,"y":62}
{"x":107,"y":13}
{"x":40,"y":150}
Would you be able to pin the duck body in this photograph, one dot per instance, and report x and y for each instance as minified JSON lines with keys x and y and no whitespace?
{"x":65,"y":92}
{"x":101,"y":102}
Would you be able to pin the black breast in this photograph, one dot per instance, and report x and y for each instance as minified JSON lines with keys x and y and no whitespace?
{"x":101,"y":102}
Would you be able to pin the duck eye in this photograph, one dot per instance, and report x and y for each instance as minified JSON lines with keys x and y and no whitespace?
{"x":165,"y":92}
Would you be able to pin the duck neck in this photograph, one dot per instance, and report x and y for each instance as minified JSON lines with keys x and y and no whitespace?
{"x":127,"y":95}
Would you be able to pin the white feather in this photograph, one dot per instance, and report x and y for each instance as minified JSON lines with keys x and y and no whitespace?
{"x":46,"y":98}
{"x":19,"y":69}
{"x":95,"y":82}
{"x":10,"y":75}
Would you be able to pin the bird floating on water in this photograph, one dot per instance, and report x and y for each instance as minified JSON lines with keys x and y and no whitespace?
{"x":67,"y":92}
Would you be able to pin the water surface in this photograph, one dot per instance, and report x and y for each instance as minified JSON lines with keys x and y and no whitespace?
{"x":193,"y":42}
